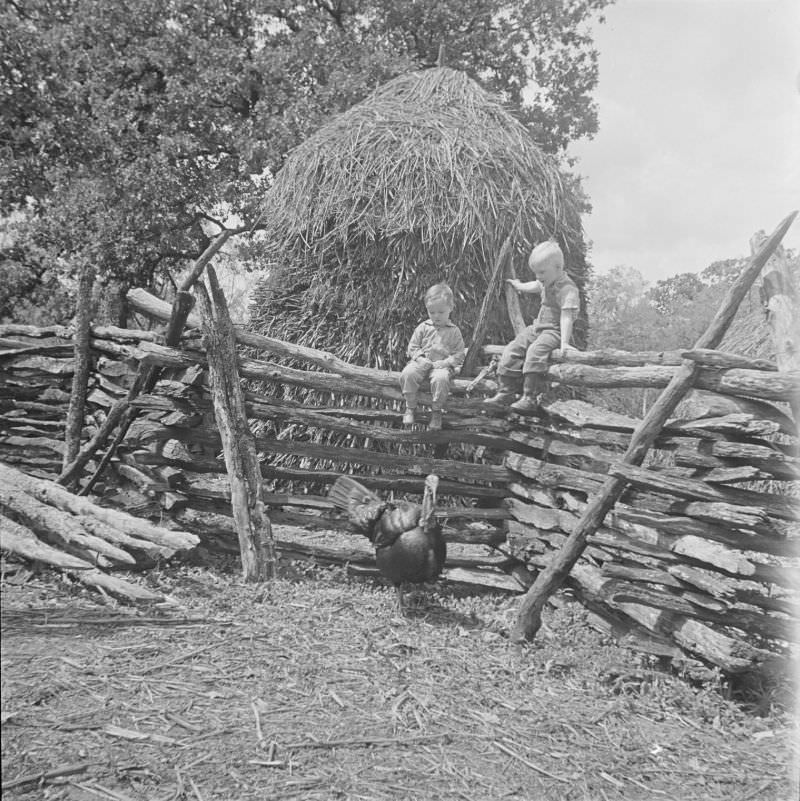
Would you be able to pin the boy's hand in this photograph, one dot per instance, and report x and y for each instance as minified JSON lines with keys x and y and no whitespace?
{"x":438,"y":365}
{"x":423,"y":360}
{"x":515,"y":283}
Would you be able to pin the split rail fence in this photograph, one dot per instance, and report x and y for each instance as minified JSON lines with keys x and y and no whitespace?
{"x":698,"y":559}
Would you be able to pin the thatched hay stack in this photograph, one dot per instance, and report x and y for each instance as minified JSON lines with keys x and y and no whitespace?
{"x":421,"y":182}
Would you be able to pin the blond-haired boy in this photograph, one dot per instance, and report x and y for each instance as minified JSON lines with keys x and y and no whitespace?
{"x":524,"y":359}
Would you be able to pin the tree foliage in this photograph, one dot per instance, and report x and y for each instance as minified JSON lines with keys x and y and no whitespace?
{"x":626,"y":314}
{"x":129,"y":128}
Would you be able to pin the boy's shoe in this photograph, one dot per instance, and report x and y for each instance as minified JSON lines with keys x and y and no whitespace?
{"x":533,"y":384}
{"x":526,"y":404}
{"x":408,"y":417}
{"x":507,"y":388}
{"x":435,"y":422}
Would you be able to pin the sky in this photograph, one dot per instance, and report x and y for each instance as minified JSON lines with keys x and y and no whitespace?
{"x":699,"y":139}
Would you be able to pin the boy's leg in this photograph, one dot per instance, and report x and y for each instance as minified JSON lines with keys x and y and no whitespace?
{"x":440,"y":389}
{"x":535,"y":369}
{"x":509,"y":371}
{"x":410,"y":379}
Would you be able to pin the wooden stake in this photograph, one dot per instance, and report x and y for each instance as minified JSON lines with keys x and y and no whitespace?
{"x":80,"y":378}
{"x":512,"y":301}
{"x":252,"y":523}
{"x":550,"y":579}
{"x":479,"y":331}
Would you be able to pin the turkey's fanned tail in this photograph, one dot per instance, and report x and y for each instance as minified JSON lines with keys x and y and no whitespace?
{"x":346,"y":490}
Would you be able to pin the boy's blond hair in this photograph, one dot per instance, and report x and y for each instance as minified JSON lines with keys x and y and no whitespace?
{"x":544,"y":253}
{"x":440,"y":292}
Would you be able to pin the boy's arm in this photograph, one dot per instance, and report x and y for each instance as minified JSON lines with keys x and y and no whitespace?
{"x":457,"y":353}
{"x":526,"y":287}
{"x":567,"y":321}
{"x":415,"y":344}
{"x":455,"y":345}
{"x":570,"y":304}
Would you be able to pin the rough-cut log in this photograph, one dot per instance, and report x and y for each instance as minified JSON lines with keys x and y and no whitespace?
{"x":726,"y":361}
{"x":733,"y":655}
{"x":512,"y":306}
{"x":777,"y":505}
{"x":256,"y":370}
{"x":419,"y":465}
{"x":256,"y":547}
{"x":529,"y":618}
{"x":705,"y":580}
{"x":649,"y":525}
{"x":645,"y":574}
{"x":736,"y":425}
{"x":606,"y":357}
{"x":56,"y":525}
{"x":82,"y":357}
{"x":21,"y":541}
{"x":752,"y":623}
{"x":708,"y":404}
{"x":583,"y":457}
{"x":53,"y":495}
{"x":145,"y":303}
{"x":722,"y":454}
{"x":264,"y":409}
{"x":627,"y":540}
{"x":735,"y":381}
{"x":730,"y":382}
{"x":399,"y":482}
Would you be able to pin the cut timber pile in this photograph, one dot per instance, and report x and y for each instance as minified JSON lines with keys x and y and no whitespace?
{"x":43,"y":522}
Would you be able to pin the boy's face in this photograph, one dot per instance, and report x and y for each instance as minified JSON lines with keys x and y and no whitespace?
{"x":439,"y":311}
{"x":546,"y":270}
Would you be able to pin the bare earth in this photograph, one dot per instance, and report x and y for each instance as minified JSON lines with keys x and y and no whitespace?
{"x":314,"y":688}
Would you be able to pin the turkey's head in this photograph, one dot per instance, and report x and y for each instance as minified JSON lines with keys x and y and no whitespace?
{"x":428,"y":500}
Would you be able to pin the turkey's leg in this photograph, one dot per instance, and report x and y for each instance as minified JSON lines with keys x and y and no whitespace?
{"x":400,"y":596}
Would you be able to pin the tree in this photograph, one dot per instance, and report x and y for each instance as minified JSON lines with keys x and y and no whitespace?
{"x":670,"y":293}
{"x":127,"y":127}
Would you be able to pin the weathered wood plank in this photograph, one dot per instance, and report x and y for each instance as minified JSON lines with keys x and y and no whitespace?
{"x":781,"y":506}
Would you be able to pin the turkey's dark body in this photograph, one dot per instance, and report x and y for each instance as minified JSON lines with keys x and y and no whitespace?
{"x":415,"y":556}
{"x":409,"y":547}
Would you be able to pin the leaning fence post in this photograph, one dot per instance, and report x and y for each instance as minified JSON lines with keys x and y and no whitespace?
{"x":238,"y":443}
{"x":550,"y":579}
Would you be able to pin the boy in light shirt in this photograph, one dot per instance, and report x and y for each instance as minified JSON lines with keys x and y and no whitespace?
{"x":436,"y":351}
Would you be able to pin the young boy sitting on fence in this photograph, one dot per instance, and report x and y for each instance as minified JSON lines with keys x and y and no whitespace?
{"x":436,"y":350}
{"x":524,"y":360}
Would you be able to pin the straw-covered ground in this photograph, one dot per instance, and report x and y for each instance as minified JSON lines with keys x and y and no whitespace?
{"x":314,"y":688}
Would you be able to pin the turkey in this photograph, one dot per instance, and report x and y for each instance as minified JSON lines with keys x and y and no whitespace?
{"x":408,"y":540}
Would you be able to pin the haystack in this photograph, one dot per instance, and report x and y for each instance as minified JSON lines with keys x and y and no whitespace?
{"x":421,"y":182}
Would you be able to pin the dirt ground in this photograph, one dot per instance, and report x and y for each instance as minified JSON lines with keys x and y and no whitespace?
{"x":315,"y":688}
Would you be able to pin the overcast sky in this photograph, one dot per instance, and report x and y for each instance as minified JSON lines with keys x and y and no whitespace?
{"x":699,"y":141}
